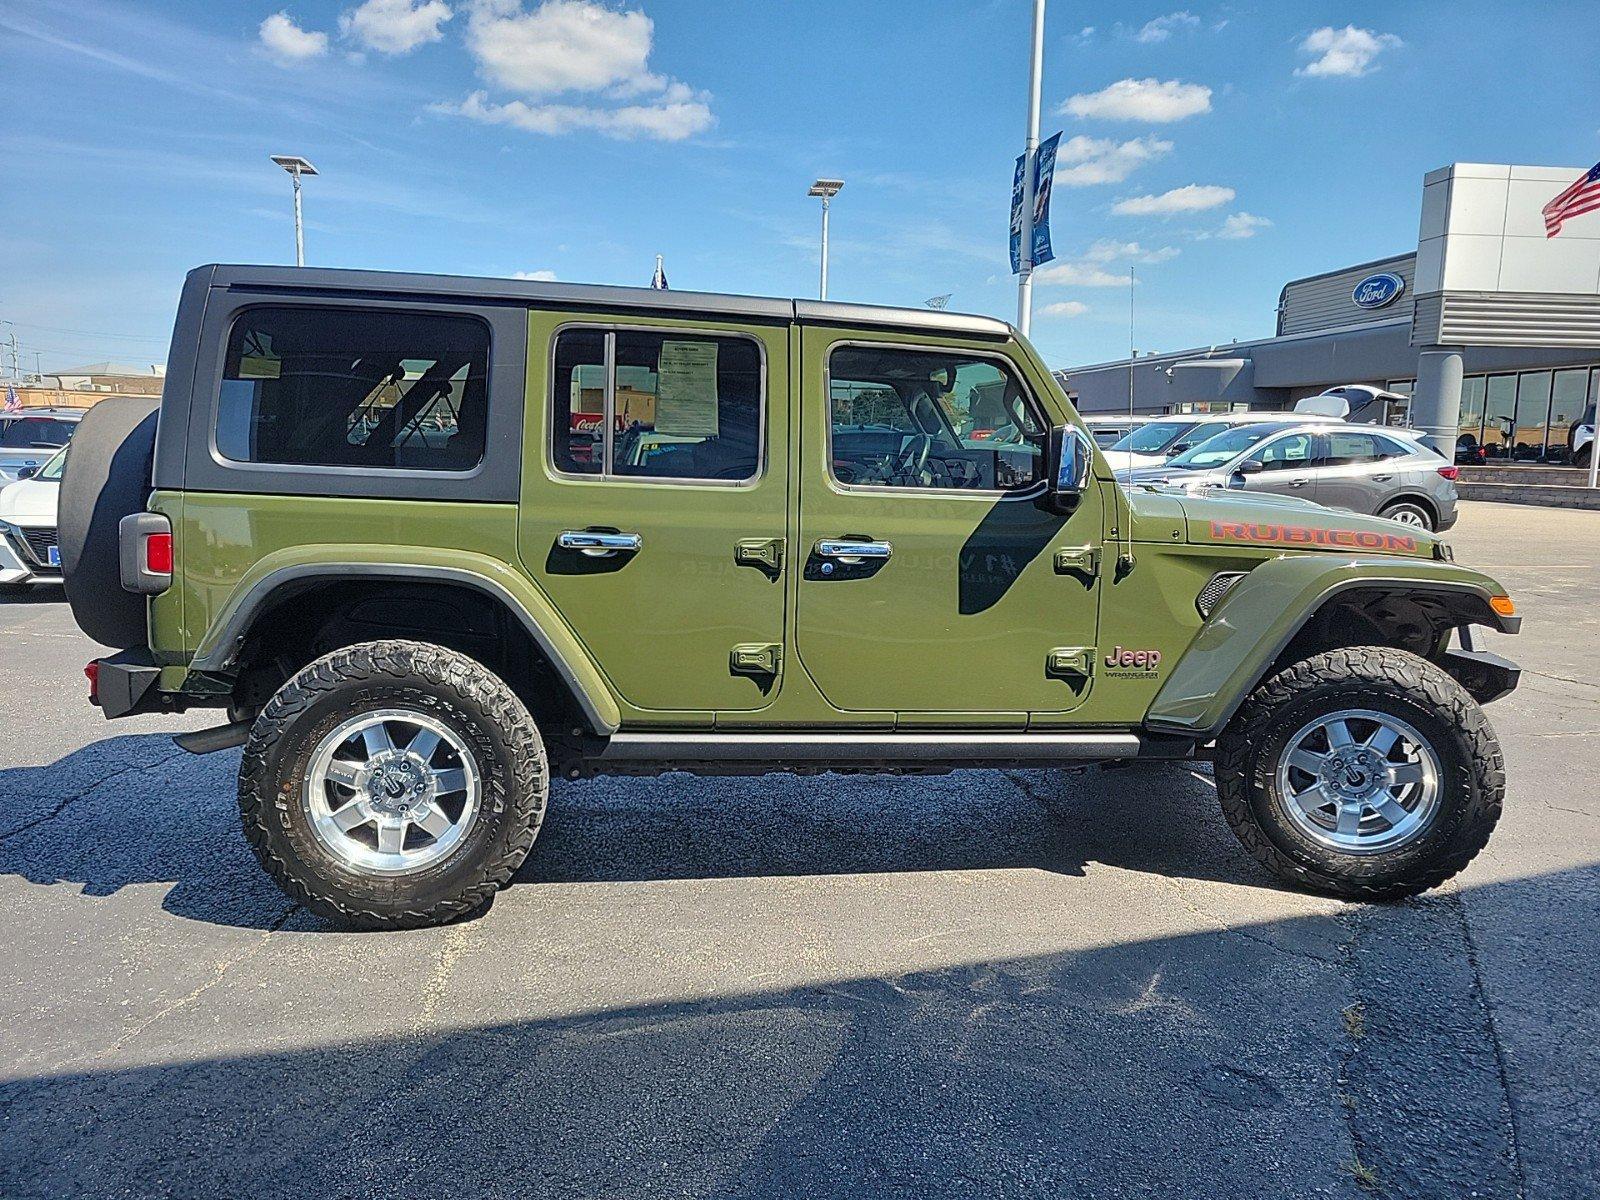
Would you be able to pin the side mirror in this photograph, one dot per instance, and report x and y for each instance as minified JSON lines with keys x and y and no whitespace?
{"x":1251,"y":466}
{"x":1069,"y":460}
{"x":28,"y":472}
{"x":1177,"y":448}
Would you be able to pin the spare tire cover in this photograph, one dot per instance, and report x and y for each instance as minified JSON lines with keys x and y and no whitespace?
{"x":107,"y":477}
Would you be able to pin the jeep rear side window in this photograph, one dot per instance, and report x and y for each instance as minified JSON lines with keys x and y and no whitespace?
{"x":672,"y":406}
{"x":931,"y":419}
{"x":355,"y":389}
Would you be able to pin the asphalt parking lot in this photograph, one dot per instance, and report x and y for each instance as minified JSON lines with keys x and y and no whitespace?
{"x":997,"y":984}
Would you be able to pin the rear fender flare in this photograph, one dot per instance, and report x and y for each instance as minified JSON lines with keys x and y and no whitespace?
{"x":1264,"y":611}
{"x":272,"y":579}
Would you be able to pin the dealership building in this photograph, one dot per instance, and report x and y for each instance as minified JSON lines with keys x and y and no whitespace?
{"x":1487,"y":334}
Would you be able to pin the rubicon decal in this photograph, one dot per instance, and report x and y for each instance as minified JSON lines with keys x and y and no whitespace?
{"x":1302,"y":535}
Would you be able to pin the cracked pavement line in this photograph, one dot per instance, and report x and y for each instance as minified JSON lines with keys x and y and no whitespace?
{"x":63,"y":805}
{"x":190,"y":997}
{"x":1481,"y":994}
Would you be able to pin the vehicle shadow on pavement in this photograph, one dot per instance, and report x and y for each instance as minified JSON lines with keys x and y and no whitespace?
{"x":34,"y":593}
{"x":135,"y":809}
{"x":1161,"y":819}
{"x":1201,"y":1063}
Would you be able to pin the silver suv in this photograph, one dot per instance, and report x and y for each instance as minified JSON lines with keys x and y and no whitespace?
{"x":1359,"y":468}
{"x":30,"y":436}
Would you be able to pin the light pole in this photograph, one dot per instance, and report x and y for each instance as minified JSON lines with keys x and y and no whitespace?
{"x":296,"y":166}
{"x":827,"y":189}
{"x":1030,"y":152}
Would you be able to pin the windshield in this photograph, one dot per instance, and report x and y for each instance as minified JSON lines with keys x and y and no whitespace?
{"x":35,"y":433}
{"x":1155,"y":437}
{"x":1213,"y":452}
{"x":53,"y":468}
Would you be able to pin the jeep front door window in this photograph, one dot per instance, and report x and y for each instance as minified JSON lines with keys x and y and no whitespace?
{"x":926,"y":419}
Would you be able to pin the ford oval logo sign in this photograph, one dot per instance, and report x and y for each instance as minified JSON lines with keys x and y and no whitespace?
{"x":1378,"y":291}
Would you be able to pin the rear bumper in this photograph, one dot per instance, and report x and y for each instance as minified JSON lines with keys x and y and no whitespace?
{"x":125,"y":684}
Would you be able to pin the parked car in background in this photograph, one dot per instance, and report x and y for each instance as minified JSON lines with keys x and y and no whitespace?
{"x":1159,"y":441}
{"x":1357,"y":468}
{"x":1580,"y":439}
{"x":1108,"y":431}
{"x":32,"y":435}
{"x":28,"y":550}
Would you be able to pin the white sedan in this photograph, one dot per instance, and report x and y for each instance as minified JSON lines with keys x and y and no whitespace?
{"x":28,"y":551}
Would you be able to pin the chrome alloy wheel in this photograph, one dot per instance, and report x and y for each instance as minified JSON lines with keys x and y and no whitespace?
{"x":1359,"y":782}
{"x":1409,"y":516}
{"x":392,"y":791}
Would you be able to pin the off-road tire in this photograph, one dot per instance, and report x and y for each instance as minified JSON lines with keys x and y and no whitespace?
{"x":1386,"y":680}
{"x":454,"y":690}
{"x":1392,"y":512}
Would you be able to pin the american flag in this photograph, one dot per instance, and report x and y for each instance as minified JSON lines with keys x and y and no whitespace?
{"x":1583,"y":196}
{"x":12,"y":404}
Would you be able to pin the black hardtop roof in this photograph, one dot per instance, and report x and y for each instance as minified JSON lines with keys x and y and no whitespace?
{"x":585,"y":295}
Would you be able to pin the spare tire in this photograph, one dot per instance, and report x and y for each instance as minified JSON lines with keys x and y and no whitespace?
{"x":107,"y":477}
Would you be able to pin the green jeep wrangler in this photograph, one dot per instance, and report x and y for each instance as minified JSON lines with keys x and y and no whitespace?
{"x":430,"y":541}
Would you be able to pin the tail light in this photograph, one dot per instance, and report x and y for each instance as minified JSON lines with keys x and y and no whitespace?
{"x":1450,"y":472}
{"x":146,"y":552}
{"x":158,"y":553}
{"x":91,"y":672}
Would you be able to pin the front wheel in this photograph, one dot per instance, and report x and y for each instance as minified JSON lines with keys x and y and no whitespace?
{"x":1364,"y":772}
{"x":393,"y":784}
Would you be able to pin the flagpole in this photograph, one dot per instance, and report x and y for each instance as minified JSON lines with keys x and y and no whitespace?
{"x":1029,"y":154}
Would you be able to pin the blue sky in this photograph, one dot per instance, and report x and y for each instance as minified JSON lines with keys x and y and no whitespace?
{"x":1220,"y":148}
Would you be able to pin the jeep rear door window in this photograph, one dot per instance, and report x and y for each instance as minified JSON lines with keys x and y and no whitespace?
{"x":657,"y":405}
{"x":931,"y":419}
{"x":355,"y":388}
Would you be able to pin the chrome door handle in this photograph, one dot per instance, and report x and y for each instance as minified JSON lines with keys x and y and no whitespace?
{"x":854,"y":551}
{"x":1301,"y":482}
{"x":598,"y":545}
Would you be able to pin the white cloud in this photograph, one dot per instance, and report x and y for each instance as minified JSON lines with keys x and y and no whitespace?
{"x":536,"y":276}
{"x":1110,"y":250}
{"x":395,"y":26}
{"x":1091,"y":269}
{"x":1153,"y":100}
{"x":286,"y":43}
{"x":1194,"y":197}
{"x":1161,"y":28}
{"x":1344,"y":52}
{"x":676,"y":115}
{"x":1242,"y":225}
{"x":1064,"y":308}
{"x":575,"y":46}
{"x":1104,"y":160}
{"x":560,"y":46}
{"x":1079,"y":274}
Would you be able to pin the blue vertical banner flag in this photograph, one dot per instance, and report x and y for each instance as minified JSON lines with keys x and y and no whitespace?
{"x":1044,"y":174}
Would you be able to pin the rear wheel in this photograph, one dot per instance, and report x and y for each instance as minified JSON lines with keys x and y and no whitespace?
{"x":393,"y":784}
{"x":1407,"y":512}
{"x":1364,"y":772}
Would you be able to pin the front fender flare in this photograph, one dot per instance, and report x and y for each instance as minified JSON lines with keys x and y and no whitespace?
{"x":1263,"y":612}
{"x":266,"y":583}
